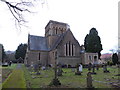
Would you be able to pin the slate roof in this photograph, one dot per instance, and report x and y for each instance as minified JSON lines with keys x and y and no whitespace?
{"x":40,"y":43}
{"x":37,"y":43}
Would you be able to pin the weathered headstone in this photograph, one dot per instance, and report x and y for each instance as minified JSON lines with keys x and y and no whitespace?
{"x":43,"y":67}
{"x":73,"y":69}
{"x":93,"y":69}
{"x":89,"y":67}
{"x":89,"y":80}
{"x":79,"y":69}
{"x":97,"y":67}
{"x":36,"y":69}
{"x":105,"y":69}
{"x":59,"y":70}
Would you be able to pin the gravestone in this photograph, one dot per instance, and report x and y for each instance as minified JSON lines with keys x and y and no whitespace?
{"x":73,"y":69}
{"x":43,"y":68}
{"x":105,"y":68}
{"x":97,"y":67}
{"x":36,"y":69}
{"x":89,"y":66}
{"x":89,"y":80}
{"x":79,"y":69}
{"x":59,"y":70}
{"x":93,"y":69}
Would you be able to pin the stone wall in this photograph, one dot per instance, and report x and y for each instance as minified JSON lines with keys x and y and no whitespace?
{"x":34,"y":57}
{"x":73,"y":61}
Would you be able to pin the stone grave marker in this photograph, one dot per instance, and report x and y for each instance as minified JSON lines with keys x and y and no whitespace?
{"x":97,"y":67}
{"x":59,"y":70}
{"x":89,"y":80}
{"x":72,"y":69}
{"x":43,"y":68}
{"x":79,"y":69}
{"x":36,"y":69}
{"x":89,"y":67}
{"x":93,"y":69}
{"x":105,"y":68}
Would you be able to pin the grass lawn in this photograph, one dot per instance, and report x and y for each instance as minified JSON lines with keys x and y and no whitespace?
{"x":6,"y":71}
{"x":15,"y":80}
{"x":69,"y":79}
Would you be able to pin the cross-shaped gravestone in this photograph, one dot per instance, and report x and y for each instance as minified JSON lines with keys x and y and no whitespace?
{"x":55,"y":81}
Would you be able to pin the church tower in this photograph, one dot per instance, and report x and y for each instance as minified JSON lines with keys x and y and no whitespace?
{"x":53,"y":31}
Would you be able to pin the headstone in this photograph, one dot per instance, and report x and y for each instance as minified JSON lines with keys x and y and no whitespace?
{"x":89,"y":80}
{"x":36,"y":69}
{"x":105,"y":69}
{"x":43,"y":67}
{"x":80,"y":67}
{"x":93,"y":69}
{"x":97,"y":67}
{"x":89,"y":67}
{"x":59,"y":70}
{"x":73,"y":70}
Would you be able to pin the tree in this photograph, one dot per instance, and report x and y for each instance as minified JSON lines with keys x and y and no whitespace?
{"x":115,"y":58}
{"x":21,"y":51}
{"x":18,"y":7}
{"x":3,"y":53}
{"x":92,"y":42}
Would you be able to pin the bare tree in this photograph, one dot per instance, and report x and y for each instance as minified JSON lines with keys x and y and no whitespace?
{"x":18,"y":7}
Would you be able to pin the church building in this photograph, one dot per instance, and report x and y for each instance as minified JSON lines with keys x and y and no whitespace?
{"x":58,"y":44}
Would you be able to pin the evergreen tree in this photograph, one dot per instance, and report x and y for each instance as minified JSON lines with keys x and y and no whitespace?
{"x":92,"y":42}
{"x":3,"y":53}
{"x":21,"y":51}
{"x":115,"y":58}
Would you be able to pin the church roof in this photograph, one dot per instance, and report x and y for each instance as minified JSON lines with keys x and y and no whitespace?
{"x":37,"y":43}
{"x":40,"y":43}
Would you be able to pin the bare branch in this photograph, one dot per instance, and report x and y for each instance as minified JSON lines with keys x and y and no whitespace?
{"x":16,"y":10}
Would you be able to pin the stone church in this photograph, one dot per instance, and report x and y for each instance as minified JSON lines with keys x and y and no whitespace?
{"x":58,"y":44}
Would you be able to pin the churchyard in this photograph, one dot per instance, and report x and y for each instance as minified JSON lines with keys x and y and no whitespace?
{"x":19,"y":76}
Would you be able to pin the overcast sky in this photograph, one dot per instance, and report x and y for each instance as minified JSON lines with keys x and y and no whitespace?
{"x":81,"y":15}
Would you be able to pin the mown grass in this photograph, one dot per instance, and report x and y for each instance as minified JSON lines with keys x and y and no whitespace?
{"x":69,"y":79}
{"x":6,"y":71}
{"x":15,"y":80}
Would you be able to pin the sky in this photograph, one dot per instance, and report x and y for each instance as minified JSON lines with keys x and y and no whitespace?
{"x":81,"y":15}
